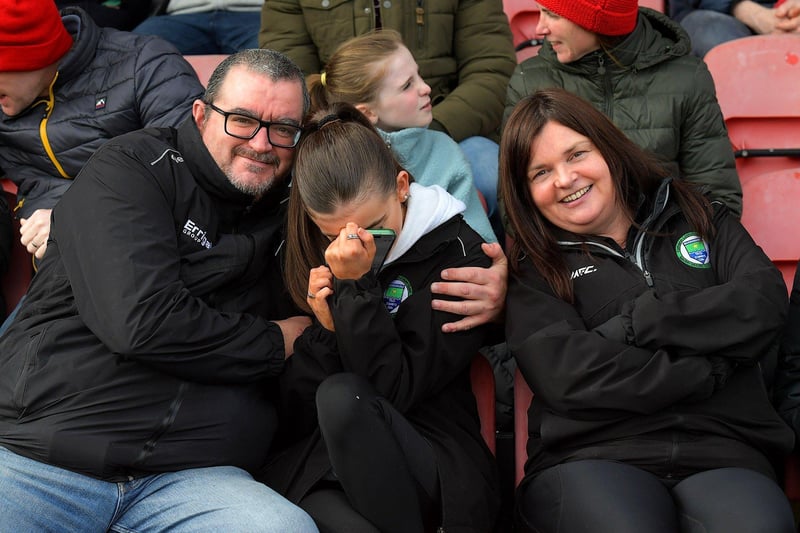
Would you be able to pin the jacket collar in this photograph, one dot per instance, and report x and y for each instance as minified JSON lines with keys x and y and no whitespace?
{"x":430,"y":244}
{"x":86,"y":35}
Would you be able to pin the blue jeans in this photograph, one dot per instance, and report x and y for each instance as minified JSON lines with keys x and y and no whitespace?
{"x":37,"y":497}
{"x":212,"y":32}
{"x":11,"y":316}
{"x":483,"y":156}
{"x":708,"y":28}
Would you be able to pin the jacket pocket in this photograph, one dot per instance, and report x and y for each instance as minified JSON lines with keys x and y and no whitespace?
{"x":27,"y":368}
{"x":331,"y":22}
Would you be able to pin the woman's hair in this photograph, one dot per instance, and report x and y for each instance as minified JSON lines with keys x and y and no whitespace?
{"x":353,"y":73}
{"x":340,"y":160}
{"x":634,"y":173}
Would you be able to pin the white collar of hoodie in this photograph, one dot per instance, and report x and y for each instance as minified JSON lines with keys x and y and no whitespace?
{"x":427,"y":208}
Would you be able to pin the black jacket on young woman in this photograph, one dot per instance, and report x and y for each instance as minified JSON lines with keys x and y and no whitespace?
{"x":658,"y":361}
{"x":423,"y":372}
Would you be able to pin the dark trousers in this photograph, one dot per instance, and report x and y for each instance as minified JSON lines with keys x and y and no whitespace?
{"x":386,"y":471}
{"x":604,"y":496}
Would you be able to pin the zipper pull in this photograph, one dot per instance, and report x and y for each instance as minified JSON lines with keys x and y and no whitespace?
{"x":648,"y":278}
{"x":602,"y":68}
{"x":420,"y":11}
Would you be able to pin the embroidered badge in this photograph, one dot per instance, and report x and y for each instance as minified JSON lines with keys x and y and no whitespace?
{"x":693,"y":250}
{"x":100,"y":103}
{"x":397,"y":291}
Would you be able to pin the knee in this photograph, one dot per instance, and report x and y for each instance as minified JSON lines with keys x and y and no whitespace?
{"x":343,"y":399}
{"x":292,"y":518}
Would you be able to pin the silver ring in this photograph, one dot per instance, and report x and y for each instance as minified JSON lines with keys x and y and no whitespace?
{"x":351,"y":236}
{"x":312,"y":296}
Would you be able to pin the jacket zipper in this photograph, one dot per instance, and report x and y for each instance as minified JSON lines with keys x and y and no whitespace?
{"x":603,"y":72}
{"x":420,"y":21}
{"x":49,"y":106}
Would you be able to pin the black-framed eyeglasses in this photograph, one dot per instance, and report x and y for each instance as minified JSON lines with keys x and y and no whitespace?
{"x":241,"y":126}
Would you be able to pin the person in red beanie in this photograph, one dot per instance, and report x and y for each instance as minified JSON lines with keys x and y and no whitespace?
{"x":635,"y":65}
{"x":66,"y":87}
{"x":713,"y":22}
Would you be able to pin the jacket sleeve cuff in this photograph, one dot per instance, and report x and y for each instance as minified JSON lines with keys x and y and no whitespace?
{"x":277,"y":355}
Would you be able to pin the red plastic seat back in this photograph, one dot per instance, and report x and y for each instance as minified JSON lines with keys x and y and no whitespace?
{"x":204,"y":64}
{"x":15,"y":282}
{"x":522,"y":401}
{"x":758,"y":80}
{"x":772,"y":216}
{"x":523,"y":16}
{"x":658,"y":5}
{"x":483,"y":387}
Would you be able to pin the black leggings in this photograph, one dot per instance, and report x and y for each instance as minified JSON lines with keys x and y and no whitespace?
{"x":386,"y":469}
{"x":605,"y":496}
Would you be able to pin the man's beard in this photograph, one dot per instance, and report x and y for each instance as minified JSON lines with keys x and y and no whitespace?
{"x":256,"y":189}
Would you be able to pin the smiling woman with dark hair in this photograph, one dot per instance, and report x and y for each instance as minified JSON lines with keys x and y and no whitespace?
{"x":639,"y":314}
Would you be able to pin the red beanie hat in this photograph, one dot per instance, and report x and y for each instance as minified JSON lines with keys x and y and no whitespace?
{"x":606,"y":17}
{"x":32,"y":35}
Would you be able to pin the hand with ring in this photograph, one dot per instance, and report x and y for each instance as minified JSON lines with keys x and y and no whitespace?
{"x":320,"y":286}
{"x":349,"y":256}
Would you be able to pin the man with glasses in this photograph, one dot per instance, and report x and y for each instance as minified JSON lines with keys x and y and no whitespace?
{"x":134,"y":379}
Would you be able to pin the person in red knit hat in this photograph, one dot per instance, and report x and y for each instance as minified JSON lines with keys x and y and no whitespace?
{"x":38,"y":40}
{"x":635,"y":65}
{"x":67,"y":86}
{"x":607,"y":17}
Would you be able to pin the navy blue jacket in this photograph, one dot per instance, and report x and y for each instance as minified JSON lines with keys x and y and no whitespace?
{"x":109,"y":83}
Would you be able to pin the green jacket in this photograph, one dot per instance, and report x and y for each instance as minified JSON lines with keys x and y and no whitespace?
{"x":662,"y":97}
{"x":463,"y":47}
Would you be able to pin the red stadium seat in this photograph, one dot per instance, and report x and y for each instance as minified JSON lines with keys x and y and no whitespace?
{"x":483,"y":388}
{"x":657,"y":5}
{"x":523,"y":16}
{"x":204,"y":64}
{"x":757,"y":80}
{"x":522,"y":400}
{"x":15,"y":282}
{"x":771,"y":216}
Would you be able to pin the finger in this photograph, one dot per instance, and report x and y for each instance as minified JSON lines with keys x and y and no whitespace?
{"x":368,"y":241}
{"x":322,"y":294}
{"x":350,"y":233}
{"x":460,"y":307}
{"x":471,"y":291}
{"x":40,"y":251}
{"x":464,"y":324}
{"x":464,"y":274}
{"x":26,"y":236}
{"x":494,"y":251}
